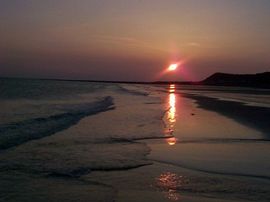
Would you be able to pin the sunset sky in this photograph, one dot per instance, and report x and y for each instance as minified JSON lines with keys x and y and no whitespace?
{"x":133,"y":40}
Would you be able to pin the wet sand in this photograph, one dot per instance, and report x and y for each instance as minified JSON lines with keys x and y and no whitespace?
{"x":211,"y":143}
{"x":252,"y":116}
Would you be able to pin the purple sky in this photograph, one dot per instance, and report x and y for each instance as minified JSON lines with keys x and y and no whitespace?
{"x":133,"y":40}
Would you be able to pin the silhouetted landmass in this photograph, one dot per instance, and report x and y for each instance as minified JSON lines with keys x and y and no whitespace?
{"x":260,"y":80}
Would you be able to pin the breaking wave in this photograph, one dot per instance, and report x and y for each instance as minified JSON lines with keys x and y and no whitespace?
{"x":18,"y":133}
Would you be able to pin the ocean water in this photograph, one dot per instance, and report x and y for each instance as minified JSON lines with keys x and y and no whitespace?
{"x":69,"y":128}
{"x":87,"y":141}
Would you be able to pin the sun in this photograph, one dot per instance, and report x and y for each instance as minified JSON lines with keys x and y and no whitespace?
{"x":173,"y":67}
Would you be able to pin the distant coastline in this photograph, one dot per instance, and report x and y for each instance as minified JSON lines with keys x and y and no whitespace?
{"x":259,"y":80}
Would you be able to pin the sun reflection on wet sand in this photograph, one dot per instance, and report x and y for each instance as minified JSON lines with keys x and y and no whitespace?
{"x":171,"y":115}
{"x":171,"y":141}
{"x":168,"y":182}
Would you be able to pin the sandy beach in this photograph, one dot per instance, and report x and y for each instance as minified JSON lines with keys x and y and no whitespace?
{"x":155,"y":143}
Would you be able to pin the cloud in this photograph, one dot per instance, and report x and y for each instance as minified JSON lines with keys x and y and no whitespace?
{"x":115,"y":39}
{"x":127,"y":41}
{"x":194,"y":44}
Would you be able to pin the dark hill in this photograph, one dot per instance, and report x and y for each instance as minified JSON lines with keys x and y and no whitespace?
{"x":260,"y":80}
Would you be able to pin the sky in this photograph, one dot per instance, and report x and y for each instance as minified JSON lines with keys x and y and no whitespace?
{"x":133,"y":40}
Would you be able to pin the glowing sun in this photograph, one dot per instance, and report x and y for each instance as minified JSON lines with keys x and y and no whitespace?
{"x":172,"y":67}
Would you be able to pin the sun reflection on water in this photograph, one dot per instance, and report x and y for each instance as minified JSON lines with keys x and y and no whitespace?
{"x":171,"y":115}
{"x":172,"y":110}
